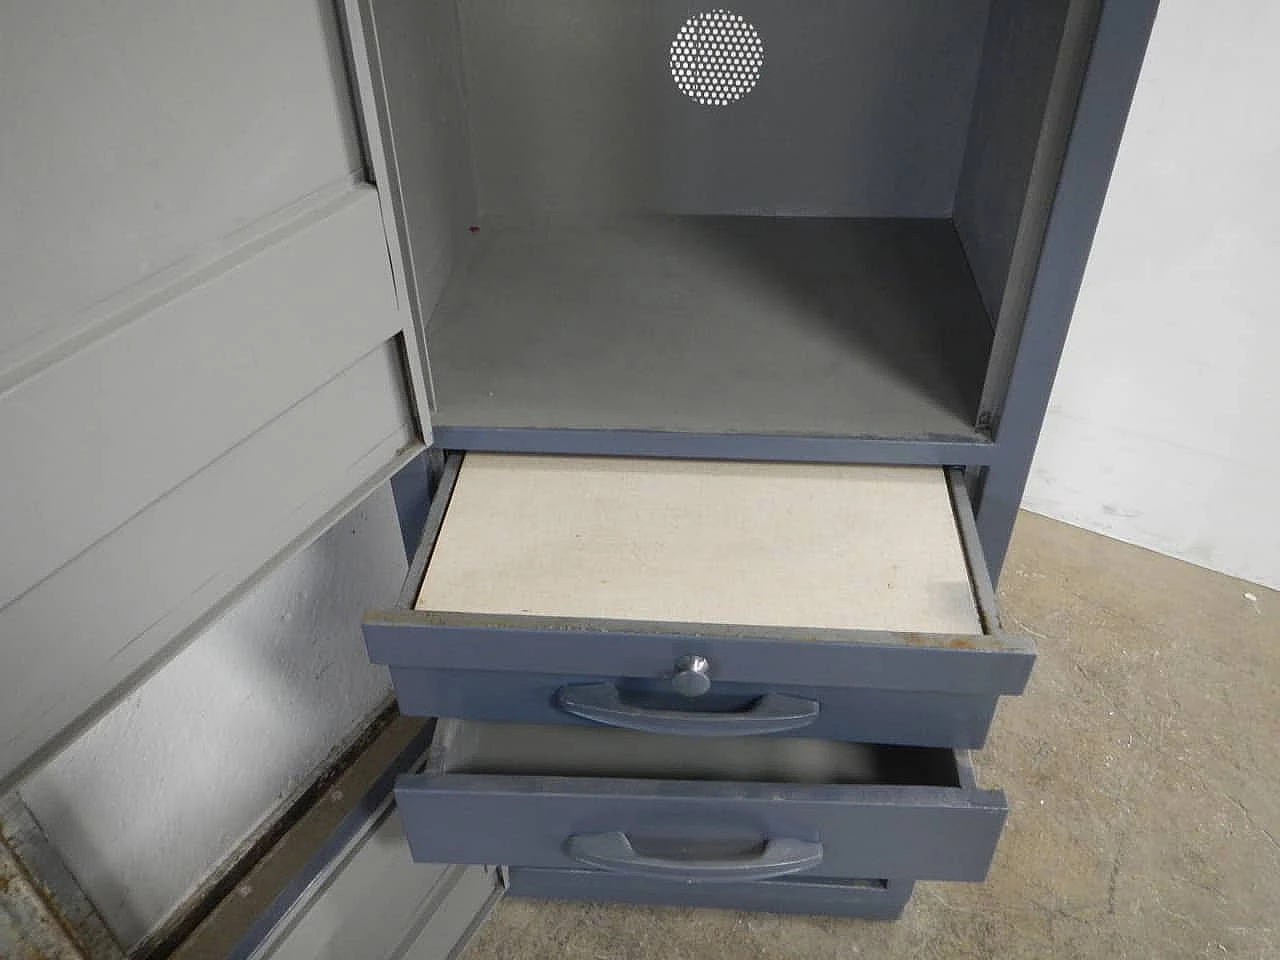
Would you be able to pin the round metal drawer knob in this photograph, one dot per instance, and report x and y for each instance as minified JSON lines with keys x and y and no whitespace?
{"x":693,"y":676}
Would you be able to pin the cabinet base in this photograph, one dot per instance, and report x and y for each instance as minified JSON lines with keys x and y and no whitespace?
{"x":868,"y":899}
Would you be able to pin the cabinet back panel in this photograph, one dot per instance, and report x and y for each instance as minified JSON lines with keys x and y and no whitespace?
{"x":861,"y":108}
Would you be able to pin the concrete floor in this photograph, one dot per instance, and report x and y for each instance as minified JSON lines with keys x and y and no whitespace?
{"x":1142,"y":768}
{"x":1143,"y":774}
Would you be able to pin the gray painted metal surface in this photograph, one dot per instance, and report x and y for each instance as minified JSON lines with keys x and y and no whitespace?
{"x":573,"y":108}
{"x":984,"y":590}
{"x":153,"y":403}
{"x":137,"y":137}
{"x":359,"y":896}
{"x":199,"y":354}
{"x":441,"y":493}
{"x":739,"y":326}
{"x":404,"y":59}
{"x":245,"y":396}
{"x":1010,"y":198}
{"x":28,"y":926}
{"x":527,"y":817}
{"x":43,"y":911}
{"x":322,"y":458}
{"x":843,"y":713}
{"x":701,"y":446}
{"x":461,"y":904}
{"x":603,"y":703}
{"x":212,"y":432}
{"x":1008,"y":116}
{"x":1124,"y":27}
{"x":925,"y":689}
{"x":867,"y":899}
{"x":1026,"y":234}
{"x":412,"y":488}
{"x":379,"y":905}
{"x":504,"y":749}
{"x":614,"y":852}
{"x":328,"y":858}
{"x":992,"y":662}
{"x":742,"y":654}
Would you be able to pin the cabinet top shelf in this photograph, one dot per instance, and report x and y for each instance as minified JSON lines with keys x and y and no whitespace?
{"x":711,"y":325}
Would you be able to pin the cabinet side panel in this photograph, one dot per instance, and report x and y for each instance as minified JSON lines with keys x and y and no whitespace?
{"x":1019,"y":57}
{"x":422,"y":158}
{"x":1123,"y":29}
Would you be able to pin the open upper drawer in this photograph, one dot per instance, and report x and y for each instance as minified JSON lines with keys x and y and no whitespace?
{"x":698,"y":597}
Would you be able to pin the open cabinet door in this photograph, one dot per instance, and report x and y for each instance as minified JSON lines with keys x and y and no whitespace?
{"x":360,"y":895}
{"x":405,"y":64}
{"x":206,"y":351}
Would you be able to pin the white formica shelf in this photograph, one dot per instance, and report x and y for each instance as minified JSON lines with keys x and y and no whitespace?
{"x":687,"y":541}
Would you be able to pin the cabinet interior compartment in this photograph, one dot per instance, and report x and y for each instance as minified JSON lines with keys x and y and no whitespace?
{"x":802,"y":218}
{"x":517,"y":749}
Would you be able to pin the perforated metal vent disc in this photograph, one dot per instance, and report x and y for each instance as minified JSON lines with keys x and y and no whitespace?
{"x":716,"y":58}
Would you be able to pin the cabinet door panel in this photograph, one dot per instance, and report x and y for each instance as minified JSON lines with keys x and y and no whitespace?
{"x":202,"y":346}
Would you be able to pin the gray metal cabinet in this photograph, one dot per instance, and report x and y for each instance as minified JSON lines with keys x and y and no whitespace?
{"x":795,"y":247}
{"x":844,"y":237}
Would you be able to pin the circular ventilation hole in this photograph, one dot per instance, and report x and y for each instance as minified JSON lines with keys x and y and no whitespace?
{"x":716,"y":58}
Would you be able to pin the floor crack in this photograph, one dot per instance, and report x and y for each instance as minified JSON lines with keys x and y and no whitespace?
{"x":1113,"y":881}
{"x":1252,"y":821}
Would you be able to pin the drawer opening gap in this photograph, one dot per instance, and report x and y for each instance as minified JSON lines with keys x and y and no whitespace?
{"x":477,"y":747}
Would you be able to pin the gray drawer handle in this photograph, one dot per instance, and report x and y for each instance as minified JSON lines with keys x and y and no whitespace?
{"x":771,"y":713}
{"x":613,"y":851}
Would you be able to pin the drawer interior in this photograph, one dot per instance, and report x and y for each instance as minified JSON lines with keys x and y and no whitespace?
{"x":477,"y":747}
{"x":802,"y":545}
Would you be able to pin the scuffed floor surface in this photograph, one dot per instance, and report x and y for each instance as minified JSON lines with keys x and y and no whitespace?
{"x":1143,"y":773}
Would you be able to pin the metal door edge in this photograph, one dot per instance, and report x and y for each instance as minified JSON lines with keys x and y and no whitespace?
{"x":452,"y":891}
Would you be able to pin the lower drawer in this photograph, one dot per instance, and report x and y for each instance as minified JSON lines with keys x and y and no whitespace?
{"x":869,"y":899}
{"x":697,"y":810}
{"x":868,"y":715}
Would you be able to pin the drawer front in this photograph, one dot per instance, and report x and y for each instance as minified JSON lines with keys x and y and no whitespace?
{"x":867,"y":899}
{"x":676,"y":809}
{"x":531,"y":821}
{"x":960,"y":721}
{"x":501,"y":636}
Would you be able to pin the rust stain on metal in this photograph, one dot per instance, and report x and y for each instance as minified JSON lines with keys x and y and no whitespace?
{"x":935,"y":642}
{"x":27,"y":930}
{"x":43,"y":914}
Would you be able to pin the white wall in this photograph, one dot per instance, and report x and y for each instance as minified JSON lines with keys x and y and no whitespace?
{"x":1164,"y":427}
{"x":149,"y":800}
